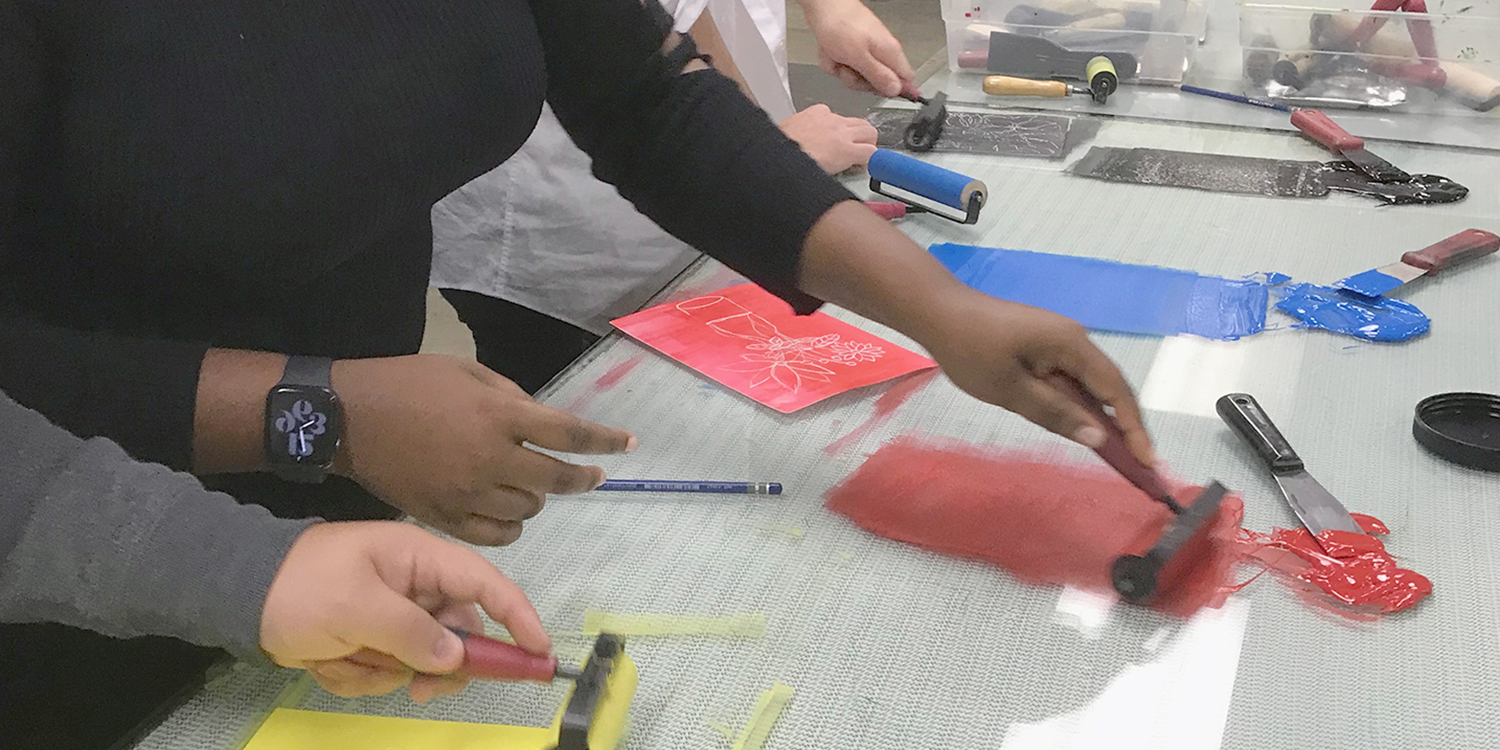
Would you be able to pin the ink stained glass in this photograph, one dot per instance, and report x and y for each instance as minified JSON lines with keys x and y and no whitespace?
{"x":750,"y":341}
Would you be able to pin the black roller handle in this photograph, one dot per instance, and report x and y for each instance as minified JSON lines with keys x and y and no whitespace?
{"x":1243,"y":414}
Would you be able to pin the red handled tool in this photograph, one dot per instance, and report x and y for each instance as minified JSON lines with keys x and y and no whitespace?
{"x":1325,"y":131}
{"x":1464,"y":246}
{"x":489,"y":659}
{"x":1137,"y":578}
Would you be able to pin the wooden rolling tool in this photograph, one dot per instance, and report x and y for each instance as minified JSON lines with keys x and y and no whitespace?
{"x":1012,"y":86}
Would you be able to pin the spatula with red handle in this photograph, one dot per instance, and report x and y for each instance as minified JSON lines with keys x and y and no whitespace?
{"x":1464,"y":246}
{"x":1317,"y":126}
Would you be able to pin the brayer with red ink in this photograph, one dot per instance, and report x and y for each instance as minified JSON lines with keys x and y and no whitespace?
{"x":1139,"y":578}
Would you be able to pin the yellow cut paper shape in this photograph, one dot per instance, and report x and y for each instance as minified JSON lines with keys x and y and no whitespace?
{"x":292,"y":729}
{"x":751,"y":625}
{"x":763,"y":719}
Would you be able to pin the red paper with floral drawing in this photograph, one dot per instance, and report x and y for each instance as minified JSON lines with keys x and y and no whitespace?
{"x":748,"y":339}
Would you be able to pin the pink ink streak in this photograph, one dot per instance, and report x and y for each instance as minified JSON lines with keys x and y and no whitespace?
{"x":885,"y":407}
{"x":605,"y":382}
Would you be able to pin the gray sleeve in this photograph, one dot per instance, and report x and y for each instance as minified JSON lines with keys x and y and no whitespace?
{"x":92,"y":538}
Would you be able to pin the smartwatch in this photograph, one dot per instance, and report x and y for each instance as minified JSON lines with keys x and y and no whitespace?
{"x":303,"y":421}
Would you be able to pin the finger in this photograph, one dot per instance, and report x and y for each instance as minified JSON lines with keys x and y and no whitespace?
{"x":879,"y":75}
{"x":546,"y":475}
{"x":851,"y":78}
{"x":425,"y":687}
{"x":394,"y":625}
{"x":863,"y":131}
{"x":507,"y":500}
{"x":485,"y":531}
{"x":1103,"y":378}
{"x":348,"y":680}
{"x":558,"y":430}
{"x":504,"y":602}
{"x":373,"y":659}
{"x":861,"y":153}
{"x":1055,"y":411}
{"x":889,"y":52}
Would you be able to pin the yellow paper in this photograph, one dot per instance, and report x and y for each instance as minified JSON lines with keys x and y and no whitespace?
{"x":291,"y":729}
{"x":750,"y":625}
{"x":763,"y":719}
{"x":290,"y":697}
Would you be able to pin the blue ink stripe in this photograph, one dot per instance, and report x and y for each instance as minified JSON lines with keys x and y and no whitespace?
{"x":1110,"y":296}
{"x":1371,"y":283}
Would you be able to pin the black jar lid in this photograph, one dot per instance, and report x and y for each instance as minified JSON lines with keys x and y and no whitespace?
{"x":1461,"y":427}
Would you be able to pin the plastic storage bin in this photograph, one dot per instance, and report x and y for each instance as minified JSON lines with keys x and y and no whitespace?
{"x":1319,"y":54}
{"x":1159,"y":35}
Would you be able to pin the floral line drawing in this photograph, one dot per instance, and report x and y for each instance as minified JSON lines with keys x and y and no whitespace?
{"x":773,"y":356}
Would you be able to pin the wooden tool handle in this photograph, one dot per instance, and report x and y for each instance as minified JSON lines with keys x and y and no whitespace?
{"x":1009,"y":86}
{"x":1320,"y":128}
{"x":1466,"y":245}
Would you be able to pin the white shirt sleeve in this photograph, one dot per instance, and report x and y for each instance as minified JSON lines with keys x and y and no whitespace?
{"x":685,"y":13}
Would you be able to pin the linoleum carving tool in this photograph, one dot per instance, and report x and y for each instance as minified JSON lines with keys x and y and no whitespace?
{"x":1138,"y":578}
{"x":940,"y":186}
{"x":1464,"y":246}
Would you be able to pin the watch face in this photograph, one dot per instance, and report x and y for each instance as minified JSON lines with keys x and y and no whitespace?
{"x":304,"y":424}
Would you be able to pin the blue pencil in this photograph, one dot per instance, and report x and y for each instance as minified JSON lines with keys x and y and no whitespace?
{"x":667,"y":485}
{"x":1225,"y":95}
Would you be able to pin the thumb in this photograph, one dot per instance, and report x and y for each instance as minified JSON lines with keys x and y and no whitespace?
{"x":392,"y":624}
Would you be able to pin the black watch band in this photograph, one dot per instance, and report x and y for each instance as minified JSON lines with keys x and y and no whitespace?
{"x":314,"y":371}
{"x":304,"y":422}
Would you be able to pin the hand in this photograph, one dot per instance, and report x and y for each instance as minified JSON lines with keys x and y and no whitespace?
{"x":362,"y":607}
{"x":835,"y":142}
{"x":856,"y":48}
{"x":443,"y":439}
{"x":1003,"y":352}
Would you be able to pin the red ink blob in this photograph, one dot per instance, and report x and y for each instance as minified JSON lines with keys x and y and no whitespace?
{"x":1043,"y":522}
{"x":885,"y":406}
{"x":1353,"y":569}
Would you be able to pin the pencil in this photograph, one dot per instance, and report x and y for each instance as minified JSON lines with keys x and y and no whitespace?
{"x":668,"y":485}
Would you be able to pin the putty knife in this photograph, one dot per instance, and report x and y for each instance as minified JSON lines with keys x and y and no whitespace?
{"x":1466,"y":245}
{"x":1317,"y":508}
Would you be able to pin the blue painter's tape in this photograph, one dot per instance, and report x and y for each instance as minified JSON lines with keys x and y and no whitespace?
{"x":927,"y":180}
{"x":1377,"y":319}
{"x":1371,"y":283}
{"x":1111,"y":296}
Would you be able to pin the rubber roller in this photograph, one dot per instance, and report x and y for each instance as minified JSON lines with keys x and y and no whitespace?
{"x":940,"y":186}
{"x":1103,"y":79}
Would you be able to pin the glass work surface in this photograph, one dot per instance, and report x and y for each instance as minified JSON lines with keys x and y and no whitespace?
{"x":888,"y":646}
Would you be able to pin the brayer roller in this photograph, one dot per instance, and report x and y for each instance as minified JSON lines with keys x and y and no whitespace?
{"x":929,"y":181}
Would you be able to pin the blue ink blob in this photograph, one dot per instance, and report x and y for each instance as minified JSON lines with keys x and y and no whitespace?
{"x":1371,"y":283}
{"x":1273,"y":278}
{"x":1377,"y":319}
{"x":1111,"y":296}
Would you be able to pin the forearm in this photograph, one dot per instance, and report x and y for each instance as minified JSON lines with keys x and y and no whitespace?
{"x":706,"y":34}
{"x":97,"y":540}
{"x":858,"y":261}
{"x":229,"y":416}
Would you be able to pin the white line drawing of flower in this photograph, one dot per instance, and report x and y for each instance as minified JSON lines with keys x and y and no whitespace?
{"x":773,"y":356}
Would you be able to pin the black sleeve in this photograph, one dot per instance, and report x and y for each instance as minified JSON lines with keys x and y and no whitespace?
{"x":140,"y":394}
{"x":688,"y":150}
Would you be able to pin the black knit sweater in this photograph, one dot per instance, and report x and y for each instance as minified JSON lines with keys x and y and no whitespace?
{"x":177,"y":175}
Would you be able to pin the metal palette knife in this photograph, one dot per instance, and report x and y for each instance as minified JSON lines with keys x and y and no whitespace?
{"x":1464,"y":246}
{"x":1316,"y":506}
